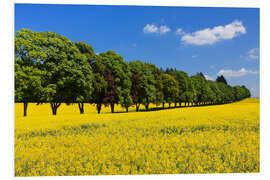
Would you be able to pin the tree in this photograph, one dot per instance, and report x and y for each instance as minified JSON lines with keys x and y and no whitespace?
{"x":60,"y":59}
{"x":170,"y":88}
{"x":182,"y":79}
{"x":216,"y":98}
{"x":135,"y":79}
{"x":146,"y":85}
{"x":221,"y":79}
{"x":83,"y":86}
{"x":189,"y":95}
{"x":51,"y":68}
{"x":99,"y":83}
{"x":247,"y":93}
{"x":86,"y":50}
{"x":224,"y":92}
{"x":111,"y":92}
{"x":28,"y":87}
{"x":201,"y":87}
{"x":121,"y":72}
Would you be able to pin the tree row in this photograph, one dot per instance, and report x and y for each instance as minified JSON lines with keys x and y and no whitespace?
{"x":50,"y":68}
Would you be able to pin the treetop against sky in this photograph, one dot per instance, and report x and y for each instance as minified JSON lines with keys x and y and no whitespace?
{"x":215,"y":41}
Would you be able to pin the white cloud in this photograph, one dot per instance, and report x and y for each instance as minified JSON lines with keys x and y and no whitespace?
{"x":179,"y":31}
{"x":253,"y":53}
{"x":194,"y":56}
{"x":233,"y":73}
{"x":214,"y":35}
{"x":212,"y":67}
{"x":164,"y":29}
{"x":151,"y":28}
{"x":207,"y":77}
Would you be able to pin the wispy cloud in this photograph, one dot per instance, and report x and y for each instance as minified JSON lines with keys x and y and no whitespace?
{"x":211,"y":36}
{"x":207,"y":77}
{"x":153,"y":29}
{"x":253,"y":53}
{"x":236,"y":73}
{"x":194,"y":56}
{"x":212,"y":67}
{"x":164,"y":29}
{"x":179,"y":31}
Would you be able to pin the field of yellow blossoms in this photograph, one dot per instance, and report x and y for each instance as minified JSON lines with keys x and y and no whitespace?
{"x":208,"y":139}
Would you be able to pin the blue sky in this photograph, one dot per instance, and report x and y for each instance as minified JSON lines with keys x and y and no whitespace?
{"x":214,"y":41}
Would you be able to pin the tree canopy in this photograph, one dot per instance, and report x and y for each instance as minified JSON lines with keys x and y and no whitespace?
{"x":51,"y":68}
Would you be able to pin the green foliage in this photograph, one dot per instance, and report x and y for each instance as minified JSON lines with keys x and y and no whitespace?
{"x":202,"y":89}
{"x":121,"y":72}
{"x":170,"y":88}
{"x":51,"y":68}
{"x":147,"y":81}
{"x":28,"y":87}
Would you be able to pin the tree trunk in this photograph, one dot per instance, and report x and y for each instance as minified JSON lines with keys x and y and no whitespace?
{"x":185,"y":104}
{"x":137,"y":107}
{"x":112,"y":107}
{"x":98,"y":107}
{"x":175,"y":104}
{"x":147,"y":106}
{"x":169,"y":105}
{"x":180,"y":104}
{"x":163,"y":104}
{"x":25,"y":104}
{"x":54,"y":106}
{"x":81,"y":107}
{"x":126,"y":109}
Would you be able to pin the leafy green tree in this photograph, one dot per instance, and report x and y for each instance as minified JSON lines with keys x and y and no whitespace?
{"x":189,"y":95}
{"x":182,"y":79}
{"x":51,"y":68}
{"x":170,"y":88}
{"x":247,"y":93}
{"x":146,"y":85}
{"x":83,"y":86}
{"x":201,"y":87}
{"x":99,"y":84}
{"x":121,"y":73}
{"x":225,"y":93}
{"x":238,"y":92}
{"x":62,"y":61}
{"x":135,"y":79}
{"x":86,"y":50}
{"x":158,"y":95}
{"x":28,"y":87}
{"x":216,"y":97}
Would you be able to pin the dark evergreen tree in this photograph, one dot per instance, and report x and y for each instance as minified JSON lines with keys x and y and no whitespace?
{"x":221,"y":79}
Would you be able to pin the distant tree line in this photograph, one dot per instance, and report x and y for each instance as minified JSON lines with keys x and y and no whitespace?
{"x":49,"y":68}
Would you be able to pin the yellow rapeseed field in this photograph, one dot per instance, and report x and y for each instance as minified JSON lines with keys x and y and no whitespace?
{"x":208,"y":139}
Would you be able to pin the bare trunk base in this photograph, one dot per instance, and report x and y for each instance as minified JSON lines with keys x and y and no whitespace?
{"x":112,"y":107}
{"x":137,"y":107}
{"x":25,"y":104}
{"x":54,"y":107}
{"x":81,"y":107}
{"x":98,"y":108}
